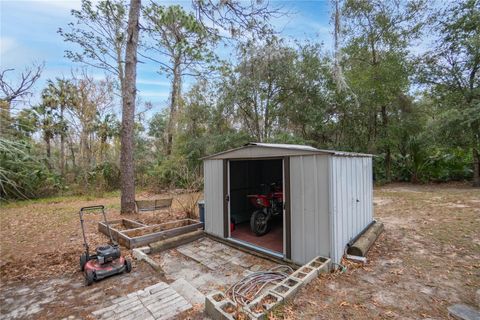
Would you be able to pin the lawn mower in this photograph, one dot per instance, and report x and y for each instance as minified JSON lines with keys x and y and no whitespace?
{"x":267,"y":206}
{"x":107,"y":261}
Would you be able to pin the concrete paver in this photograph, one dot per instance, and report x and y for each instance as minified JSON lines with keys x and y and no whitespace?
{"x":159,"y":301}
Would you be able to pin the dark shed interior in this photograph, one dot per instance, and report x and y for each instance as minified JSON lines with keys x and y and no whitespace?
{"x":249,"y":177}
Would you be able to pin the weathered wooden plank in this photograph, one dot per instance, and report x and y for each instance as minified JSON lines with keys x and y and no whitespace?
{"x":153,"y":204}
{"x":144,"y":235}
{"x":160,"y":227}
{"x":157,"y":236}
{"x":175,"y":241}
{"x":117,"y":236}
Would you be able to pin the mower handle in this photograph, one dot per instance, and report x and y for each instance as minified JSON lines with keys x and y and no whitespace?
{"x":100,"y":207}
{"x":97,"y":207}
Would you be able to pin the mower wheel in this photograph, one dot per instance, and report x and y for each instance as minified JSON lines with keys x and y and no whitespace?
{"x":83,"y":261}
{"x":89,"y":277}
{"x":128,"y":265}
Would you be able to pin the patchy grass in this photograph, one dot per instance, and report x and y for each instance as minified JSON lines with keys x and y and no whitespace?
{"x":41,"y":237}
{"x":427,"y":259}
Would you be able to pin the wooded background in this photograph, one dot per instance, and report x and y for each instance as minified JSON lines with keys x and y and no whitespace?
{"x":375,"y":91}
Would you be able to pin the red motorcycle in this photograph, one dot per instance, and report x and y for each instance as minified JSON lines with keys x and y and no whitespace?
{"x":267,"y":206}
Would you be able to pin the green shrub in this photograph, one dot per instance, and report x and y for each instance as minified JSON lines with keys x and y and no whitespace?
{"x":23,"y":175}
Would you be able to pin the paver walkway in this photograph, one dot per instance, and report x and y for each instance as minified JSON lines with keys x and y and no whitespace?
{"x":213,"y":254}
{"x":159,"y":301}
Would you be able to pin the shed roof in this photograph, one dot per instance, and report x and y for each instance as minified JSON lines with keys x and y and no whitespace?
{"x":264,"y":150}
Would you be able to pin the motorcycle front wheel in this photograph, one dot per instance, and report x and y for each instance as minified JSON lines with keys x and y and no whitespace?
{"x":259,"y":223}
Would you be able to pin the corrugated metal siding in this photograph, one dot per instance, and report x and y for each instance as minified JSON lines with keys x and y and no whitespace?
{"x":213,"y":192}
{"x":309,"y":207}
{"x":351,"y":200}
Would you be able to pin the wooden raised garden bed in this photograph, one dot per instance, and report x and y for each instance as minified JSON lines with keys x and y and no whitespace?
{"x":141,"y":234}
{"x":152,"y":205}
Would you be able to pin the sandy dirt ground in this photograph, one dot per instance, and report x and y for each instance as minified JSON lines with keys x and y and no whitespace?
{"x":427,"y":259}
{"x":40,"y":246}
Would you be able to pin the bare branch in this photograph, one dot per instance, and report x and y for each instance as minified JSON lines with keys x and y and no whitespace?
{"x":10,"y":91}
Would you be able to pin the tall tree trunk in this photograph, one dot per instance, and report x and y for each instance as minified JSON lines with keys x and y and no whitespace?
{"x":72,"y":152}
{"x":475,"y":127}
{"x":174,"y":101}
{"x":127,"y":166}
{"x":388,"y":153}
{"x":62,"y":144}
{"x":48,"y":147}
{"x":476,"y":167}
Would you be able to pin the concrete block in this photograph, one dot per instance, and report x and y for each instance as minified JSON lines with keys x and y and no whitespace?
{"x":129,"y":311}
{"x":104,"y":310}
{"x":189,"y":292}
{"x":287,"y":288}
{"x":259,"y":307}
{"x":212,"y":300}
{"x":173,"y":313}
{"x":153,"y":299}
{"x":165,"y":304}
{"x":463,"y":312}
{"x":127,"y":305}
{"x":172,"y":308}
{"x":160,"y":285}
{"x":229,"y":310}
{"x":138,"y":254}
{"x":321,"y":264}
{"x":138,"y":314}
{"x":119,"y":299}
{"x":109,"y":315}
{"x":220,"y":307}
{"x":305,"y":274}
{"x":145,"y":250}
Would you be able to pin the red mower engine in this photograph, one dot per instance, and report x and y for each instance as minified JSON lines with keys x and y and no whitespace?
{"x":107,"y":253}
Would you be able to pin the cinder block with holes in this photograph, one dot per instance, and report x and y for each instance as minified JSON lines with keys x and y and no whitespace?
{"x":214,"y":300}
{"x":259,"y":307}
{"x":231,"y":311}
{"x":305,"y":274}
{"x":219,"y":307}
{"x":321,"y":264}
{"x":287,"y":288}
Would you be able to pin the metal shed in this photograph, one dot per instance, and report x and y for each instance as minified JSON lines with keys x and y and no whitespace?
{"x":327,"y":198}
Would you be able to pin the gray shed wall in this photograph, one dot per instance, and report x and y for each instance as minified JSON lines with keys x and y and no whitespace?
{"x":309,"y":185}
{"x":351,"y":200}
{"x":213,"y":189}
{"x":325,"y":213}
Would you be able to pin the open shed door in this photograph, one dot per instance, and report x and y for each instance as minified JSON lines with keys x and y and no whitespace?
{"x":247,"y":180}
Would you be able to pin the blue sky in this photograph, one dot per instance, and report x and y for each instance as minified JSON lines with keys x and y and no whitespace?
{"x":28,"y":34}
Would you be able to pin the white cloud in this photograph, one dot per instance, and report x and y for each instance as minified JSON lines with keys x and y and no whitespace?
{"x":7,"y":44}
{"x":53,"y":4}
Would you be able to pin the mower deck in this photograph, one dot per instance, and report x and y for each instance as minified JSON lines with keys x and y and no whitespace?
{"x":102,"y":271}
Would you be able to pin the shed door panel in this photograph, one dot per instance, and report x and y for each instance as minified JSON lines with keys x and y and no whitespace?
{"x":309,"y":207}
{"x":213,"y":188}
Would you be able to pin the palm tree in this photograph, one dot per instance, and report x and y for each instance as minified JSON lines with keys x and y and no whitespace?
{"x":59,"y":95}
{"x":106,"y":128}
